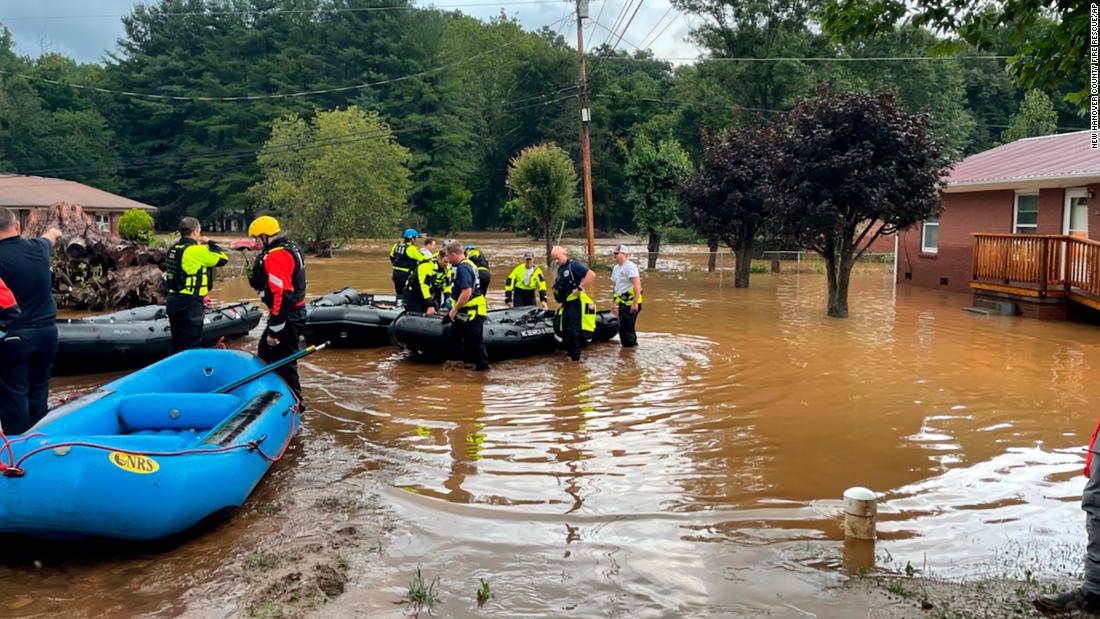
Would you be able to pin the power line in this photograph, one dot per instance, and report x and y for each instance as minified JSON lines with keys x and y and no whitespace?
{"x":596,"y":21}
{"x":738,"y":107}
{"x":612,"y":32}
{"x":658,"y":23}
{"x":678,"y":15}
{"x":169,"y":159}
{"x":291,"y":95}
{"x":809,"y":59}
{"x":627,"y":26}
{"x":317,"y":11}
{"x":618,"y":20}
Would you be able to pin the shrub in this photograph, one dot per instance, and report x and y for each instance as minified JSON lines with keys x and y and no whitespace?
{"x":136,"y":225}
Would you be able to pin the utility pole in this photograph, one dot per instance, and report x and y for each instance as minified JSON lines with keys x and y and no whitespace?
{"x":586,"y":116}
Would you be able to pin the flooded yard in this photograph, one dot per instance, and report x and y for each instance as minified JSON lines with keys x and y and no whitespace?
{"x":697,"y":475}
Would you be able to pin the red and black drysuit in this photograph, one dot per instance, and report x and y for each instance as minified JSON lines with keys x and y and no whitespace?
{"x":279,"y":275}
{"x":9,"y":310}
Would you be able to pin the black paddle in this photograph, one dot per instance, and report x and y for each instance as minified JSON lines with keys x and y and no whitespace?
{"x":271,"y":368}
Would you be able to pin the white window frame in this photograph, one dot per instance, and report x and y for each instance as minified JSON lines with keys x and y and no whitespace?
{"x":103,"y":221}
{"x":924,"y":247}
{"x":1016,"y":213}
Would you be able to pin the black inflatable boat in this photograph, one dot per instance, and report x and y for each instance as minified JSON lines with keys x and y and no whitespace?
{"x":135,"y":337}
{"x":350,"y":319}
{"x":509,"y":333}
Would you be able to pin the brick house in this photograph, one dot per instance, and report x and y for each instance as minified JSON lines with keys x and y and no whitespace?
{"x":1022,"y":204}
{"x":22,"y":194}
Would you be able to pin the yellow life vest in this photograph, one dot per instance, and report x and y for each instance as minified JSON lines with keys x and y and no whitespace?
{"x":588,"y":312}
{"x":475,"y":305}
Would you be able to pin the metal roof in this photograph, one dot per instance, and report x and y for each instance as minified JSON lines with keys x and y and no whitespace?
{"x":1060,"y":160}
{"x":18,"y":191}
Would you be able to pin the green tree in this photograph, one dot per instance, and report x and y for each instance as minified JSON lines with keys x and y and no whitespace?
{"x":1035,"y":117}
{"x":330,"y":187}
{"x":1047,"y":60}
{"x":654,"y":174}
{"x":544,"y":181}
{"x":727,"y":194}
{"x":848,"y":168}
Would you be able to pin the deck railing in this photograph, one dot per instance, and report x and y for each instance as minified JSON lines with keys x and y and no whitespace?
{"x":1041,"y":263}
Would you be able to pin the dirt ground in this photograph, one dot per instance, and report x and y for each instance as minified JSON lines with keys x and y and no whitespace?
{"x":916,"y":597}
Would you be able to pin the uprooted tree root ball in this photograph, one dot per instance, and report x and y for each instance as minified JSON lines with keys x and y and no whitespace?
{"x":95,"y":269}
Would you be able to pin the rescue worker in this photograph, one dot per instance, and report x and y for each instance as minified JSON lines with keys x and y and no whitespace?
{"x":467,"y":316}
{"x":9,"y":309}
{"x":571,"y":287}
{"x":626,"y":280}
{"x":482,"y":264}
{"x":442,"y":281}
{"x":522,"y":283}
{"x":279,"y":275}
{"x":9,"y":355}
{"x":1085,"y":598}
{"x":188,"y":279}
{"x":31,"y":340}
{"x":403,"y":256}
{"x":418,"y":289}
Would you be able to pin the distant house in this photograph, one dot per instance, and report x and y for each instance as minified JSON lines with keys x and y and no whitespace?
{"x":1020,"y":222}
{"x":22,"y":194}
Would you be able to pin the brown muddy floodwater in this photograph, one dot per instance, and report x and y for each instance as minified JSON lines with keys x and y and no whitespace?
{"x":698,"y":475}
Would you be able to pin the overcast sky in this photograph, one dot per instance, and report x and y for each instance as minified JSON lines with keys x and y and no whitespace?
{"x":88,"y":29}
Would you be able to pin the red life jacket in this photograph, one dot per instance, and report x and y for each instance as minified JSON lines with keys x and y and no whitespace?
{"x":1092,"y":445}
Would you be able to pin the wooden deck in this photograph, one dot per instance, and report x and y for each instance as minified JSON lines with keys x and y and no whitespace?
{"x":1038,"y":266}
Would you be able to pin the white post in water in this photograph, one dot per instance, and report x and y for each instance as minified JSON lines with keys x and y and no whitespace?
{"x":860,"y":509}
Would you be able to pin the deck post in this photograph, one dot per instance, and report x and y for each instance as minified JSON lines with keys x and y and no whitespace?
{"x":1043,"y":251}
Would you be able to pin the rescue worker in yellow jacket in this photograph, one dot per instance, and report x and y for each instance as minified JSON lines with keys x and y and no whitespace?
{"x":523,"y":282}
{"x":468,"y":313}
{"x":403,"y":256}
{"x":484,"y":277}
{"x":188,"y":279}
{"x":419,"y":296}
{"x":576,"y":314}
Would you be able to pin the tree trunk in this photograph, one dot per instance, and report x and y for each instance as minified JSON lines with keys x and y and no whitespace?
{"x":546,"y":230}
{"x":654,"y":248}
{"x":744,"y":263}
{"x":839,"y":271}
{"x":712,"y":258}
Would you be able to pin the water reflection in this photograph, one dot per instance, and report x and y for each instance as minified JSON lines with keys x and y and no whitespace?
{"x":700,"y":474}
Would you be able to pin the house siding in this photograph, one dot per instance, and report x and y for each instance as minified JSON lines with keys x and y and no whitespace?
{"x":963,"y":214}
{"x":981,"y":211}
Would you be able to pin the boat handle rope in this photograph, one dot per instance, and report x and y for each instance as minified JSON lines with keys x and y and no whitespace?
{"x":15,"y":467}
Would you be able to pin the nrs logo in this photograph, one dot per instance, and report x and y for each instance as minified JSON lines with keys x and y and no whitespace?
{"x":134,"y":463}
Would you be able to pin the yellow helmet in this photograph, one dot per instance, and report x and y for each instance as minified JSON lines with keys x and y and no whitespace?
{"x":264,"y":224}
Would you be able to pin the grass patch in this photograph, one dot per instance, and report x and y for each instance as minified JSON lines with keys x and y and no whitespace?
{"x":271,"y":610}
{"x":421,"y":593}
{"x":261,"y":561}
{"x":483,"y":592}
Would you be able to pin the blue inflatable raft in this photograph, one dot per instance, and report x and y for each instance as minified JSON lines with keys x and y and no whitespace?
{"x":150,"y":454}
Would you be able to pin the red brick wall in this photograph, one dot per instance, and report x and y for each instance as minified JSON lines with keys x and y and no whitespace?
{"x":1052,"y":211}
{"x":963,"y":214}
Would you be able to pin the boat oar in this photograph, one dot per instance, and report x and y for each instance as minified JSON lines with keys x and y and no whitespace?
{"x":271,"y":368}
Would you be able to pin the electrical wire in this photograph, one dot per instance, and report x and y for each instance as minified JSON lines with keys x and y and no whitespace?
{"x":627,"y":26}
{"x":810,"y":59}
{"x":670,"y":9}
{"x":318,"y":11}
{"x":276,"y":96}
